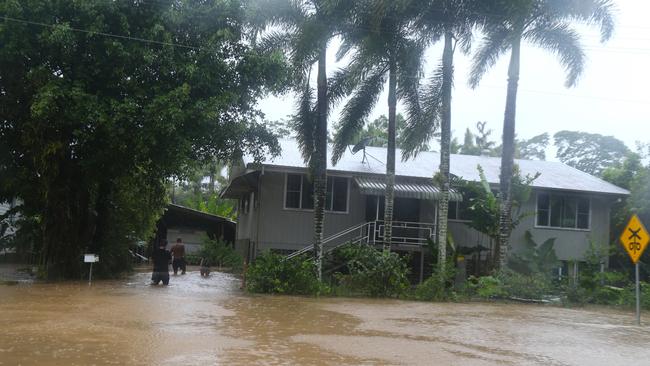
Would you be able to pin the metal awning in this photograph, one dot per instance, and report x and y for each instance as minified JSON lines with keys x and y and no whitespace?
{"x":406,"y":189}
{"x":241,"y":185}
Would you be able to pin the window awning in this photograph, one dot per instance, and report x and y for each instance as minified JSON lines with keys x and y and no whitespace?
{"x":241,"y":185}
{"x":410,"y":189}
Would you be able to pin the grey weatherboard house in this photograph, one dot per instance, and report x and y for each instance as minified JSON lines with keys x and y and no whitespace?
{"x":275,"y":203}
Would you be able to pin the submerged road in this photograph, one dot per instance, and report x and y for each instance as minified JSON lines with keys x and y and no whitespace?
{"x":209,"y":321}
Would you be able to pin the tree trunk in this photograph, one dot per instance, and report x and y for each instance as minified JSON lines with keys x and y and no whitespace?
{"x":507,"y":157}
{"x":213,"y":172}
{"x":319,"y":160}
{"x":390,"y":156}
{"x":445,"y":142}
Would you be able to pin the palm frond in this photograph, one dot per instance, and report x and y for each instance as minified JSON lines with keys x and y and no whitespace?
{"x":421,"y":129}
{"x":263,"y":13}
{"x":591,"y":12}
{"x":344,"y":49}
{"x":564,"y":42}
{"x":342,"y":83}
{"x":409,"y":65}
{"x":356,"y":111}
{"x":274,"y":40}
{"x":304,"y":122}
{"x":495,"y":43}
{"x":310,"y":37}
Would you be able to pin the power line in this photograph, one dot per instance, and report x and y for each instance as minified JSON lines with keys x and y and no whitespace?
{"x":104,"y":34}
{"x":574,"y":95}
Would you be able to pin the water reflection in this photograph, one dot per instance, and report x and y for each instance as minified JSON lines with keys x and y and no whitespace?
{"x":208,"y":321}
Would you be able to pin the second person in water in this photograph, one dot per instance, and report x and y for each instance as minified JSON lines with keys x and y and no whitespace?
{"x":178,"y":252}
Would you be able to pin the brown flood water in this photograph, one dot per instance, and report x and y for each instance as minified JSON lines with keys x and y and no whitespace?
{"x":197,"y":321}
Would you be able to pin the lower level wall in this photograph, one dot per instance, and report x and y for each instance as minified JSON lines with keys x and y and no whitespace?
{"x":192,"y":239}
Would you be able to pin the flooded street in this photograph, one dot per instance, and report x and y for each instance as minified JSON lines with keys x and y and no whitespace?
{"x":197,"y":321}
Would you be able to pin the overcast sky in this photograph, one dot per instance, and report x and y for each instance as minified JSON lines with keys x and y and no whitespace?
{"x":611,"y":97}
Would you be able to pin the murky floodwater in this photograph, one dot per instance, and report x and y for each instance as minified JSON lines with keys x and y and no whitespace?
{"x":197,"y":321}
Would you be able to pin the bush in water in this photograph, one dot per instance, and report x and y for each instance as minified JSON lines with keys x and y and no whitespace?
{"x":486,"y":287}
{"x":220,"y":254}
{"x":372,"y":272}
{"x":274,"y":274}
{"x":435,"y":289}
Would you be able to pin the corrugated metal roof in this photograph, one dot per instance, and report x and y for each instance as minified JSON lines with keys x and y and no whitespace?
{"x":419,"y":190}
{"x":554,"y":175}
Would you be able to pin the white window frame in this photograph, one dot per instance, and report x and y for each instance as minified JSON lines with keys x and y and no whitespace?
{"x":576,"y":228}
{"x":284,"y":199}
{"x":302,"y":179}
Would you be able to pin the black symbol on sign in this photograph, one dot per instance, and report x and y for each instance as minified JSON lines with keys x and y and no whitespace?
{"x":635,"y":245}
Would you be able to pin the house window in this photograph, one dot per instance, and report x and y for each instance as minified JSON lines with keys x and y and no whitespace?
{"x":299,"y":193}
{"x":563,"y":211}
{"x":459,"y":210}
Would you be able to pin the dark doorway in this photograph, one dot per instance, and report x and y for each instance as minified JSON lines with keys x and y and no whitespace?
{"x":404,"y":209}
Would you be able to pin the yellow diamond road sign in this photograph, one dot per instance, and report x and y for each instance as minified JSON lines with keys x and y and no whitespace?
{"x":635,"y":238}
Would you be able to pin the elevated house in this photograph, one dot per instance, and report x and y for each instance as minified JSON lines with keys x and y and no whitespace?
{"x":276,"y":203}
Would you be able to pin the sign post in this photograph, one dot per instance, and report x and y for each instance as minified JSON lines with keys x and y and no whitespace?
{"x":634,"y":240}
{"x":90,"y":258}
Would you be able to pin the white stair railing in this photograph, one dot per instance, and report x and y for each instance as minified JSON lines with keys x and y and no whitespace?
{"x":354,"y":234}
{"x":405,"y":233}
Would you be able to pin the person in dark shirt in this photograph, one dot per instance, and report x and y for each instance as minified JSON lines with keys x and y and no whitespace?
{"x":161,"y":258}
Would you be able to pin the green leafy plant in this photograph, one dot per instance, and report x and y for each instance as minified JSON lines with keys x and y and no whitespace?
{"x":534,"y":258}
{"x":628,"y":296}
{"x":486,"y":287}
{"x":274,"y":274}
{"x":535,"y":286}
{"x":220,"y":254}
{"x":374,"y":273}
{"x":436,"y":288}
{"x":483,"y":211}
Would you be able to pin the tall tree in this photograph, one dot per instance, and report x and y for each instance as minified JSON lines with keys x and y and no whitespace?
{"x":548,"y":25}
{"x":478,"y":143}
{"x":376,"y":132}
{"x":102,"y":101}
{"x":310,"y":25}
{"x":589,"y":152}
{"x":452,"y":20}
{"x":380,"y":35}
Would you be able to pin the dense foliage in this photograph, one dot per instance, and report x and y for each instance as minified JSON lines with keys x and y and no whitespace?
{"x":217,"y":253}
{"x":371,"y":272}
{"x":101,"y":101}
{"x":274,"y":274}
{"x":589,"y":152}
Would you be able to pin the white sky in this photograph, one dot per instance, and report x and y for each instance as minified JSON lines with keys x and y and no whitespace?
{"x":611,"y":97}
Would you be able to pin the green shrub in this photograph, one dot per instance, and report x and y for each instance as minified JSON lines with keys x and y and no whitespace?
{"x":535,"y":286}
{"x":628,"y":295}
{"x":433,"y":289}
{"x":219,"y":254}
{"x":486,"y":287}
{"x":372,"y":272}
{"x":274,"y":274}
{"x":192,"y":259}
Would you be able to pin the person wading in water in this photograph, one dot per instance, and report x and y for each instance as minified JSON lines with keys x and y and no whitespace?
{"x":160,"y":258}
{"x":178,"y":251}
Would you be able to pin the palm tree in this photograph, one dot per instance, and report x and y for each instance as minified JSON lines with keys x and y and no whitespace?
{"x":548,"y":25}
{"x":308,"y":27}
{"x":379,"y":33}
{"x":451,"y":19}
